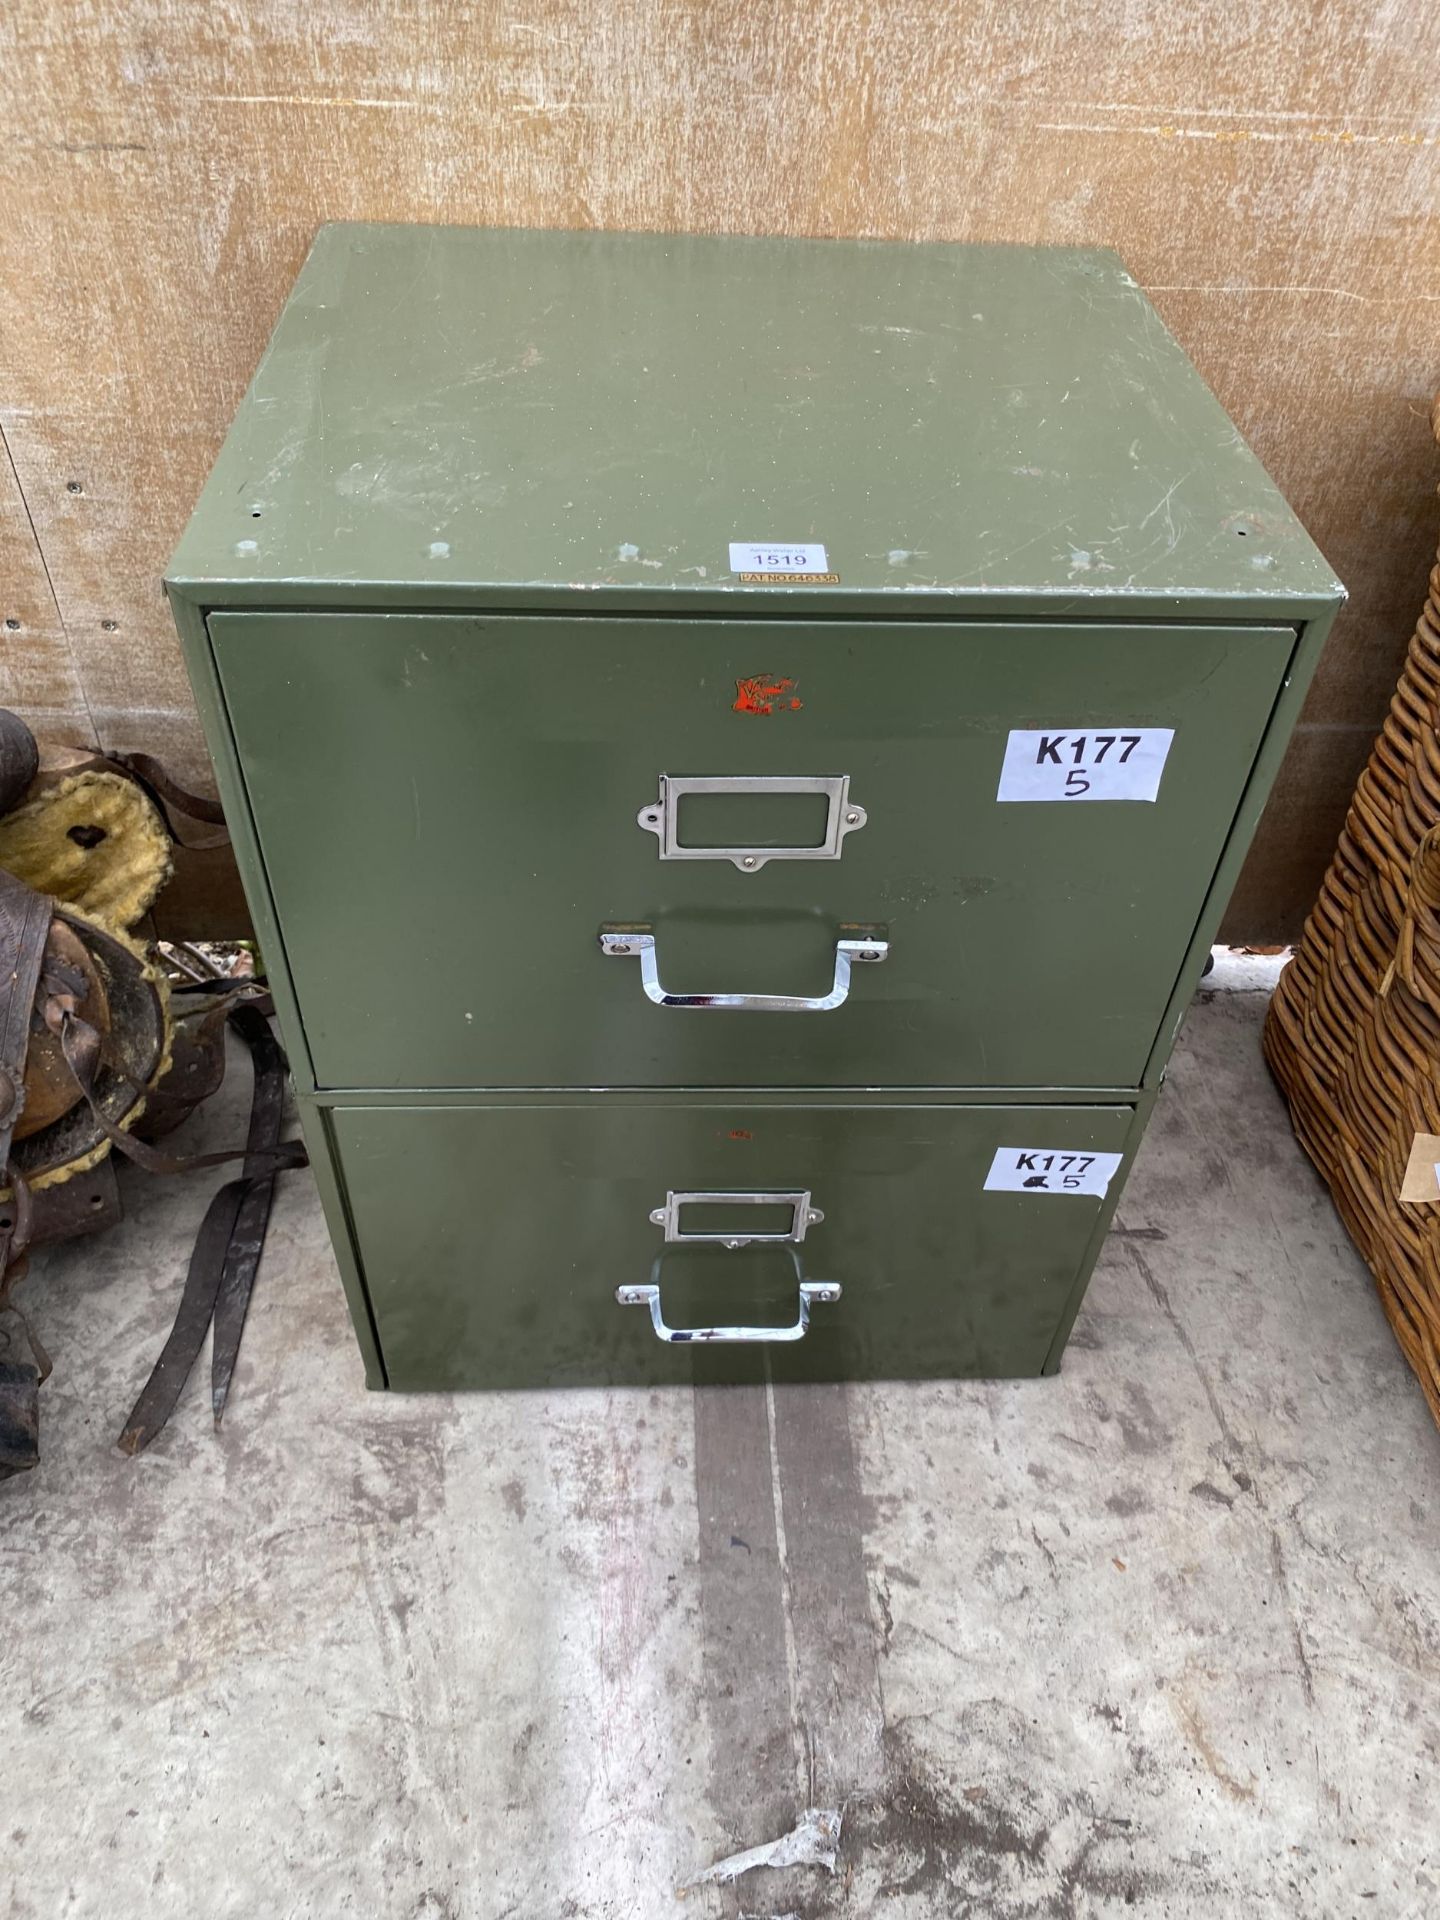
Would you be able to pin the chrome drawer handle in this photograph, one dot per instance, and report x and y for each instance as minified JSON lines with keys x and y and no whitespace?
{"x":855,"y":945}
{"x":649,"y":1296}
{"x":803,"y":1216}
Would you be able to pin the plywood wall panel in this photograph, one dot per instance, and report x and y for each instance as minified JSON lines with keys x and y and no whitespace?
{"x":1272,"y":179}
{"x":38,"y":676}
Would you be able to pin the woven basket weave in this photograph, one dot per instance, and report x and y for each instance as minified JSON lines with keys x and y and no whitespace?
{"x":1353,"y":1032}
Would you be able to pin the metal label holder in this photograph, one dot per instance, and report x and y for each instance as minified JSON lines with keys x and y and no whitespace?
{"x":803,"y":1216}
{"x":663,"y":817}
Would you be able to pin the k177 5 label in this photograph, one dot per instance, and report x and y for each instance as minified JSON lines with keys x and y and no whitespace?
{"x":1084,"y":763}
{"x":1051,"y":1170}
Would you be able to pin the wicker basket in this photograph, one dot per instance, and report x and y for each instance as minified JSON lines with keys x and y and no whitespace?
{"x":1353,"y":1032}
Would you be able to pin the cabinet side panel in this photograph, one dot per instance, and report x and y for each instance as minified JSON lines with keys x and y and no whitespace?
{"x":1140,"y":1119}
{"x":1288,"y":702}
{"x":230,"y":782}
{"x":324,"y":1160}
{"x":195,"y":642}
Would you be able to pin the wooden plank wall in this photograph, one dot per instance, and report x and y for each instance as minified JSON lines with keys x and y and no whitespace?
{"x":1270,"y":175}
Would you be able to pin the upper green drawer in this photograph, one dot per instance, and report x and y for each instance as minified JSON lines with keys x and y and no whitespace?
{"x":447,"y":813}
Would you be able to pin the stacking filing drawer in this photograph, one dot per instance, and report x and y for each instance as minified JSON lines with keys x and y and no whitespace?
{"x":930,"y":1272}
{"x":494,"y":769}
{"x":699,"y":952}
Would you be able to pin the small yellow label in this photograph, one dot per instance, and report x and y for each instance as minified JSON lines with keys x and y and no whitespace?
{"x":789,"y":579}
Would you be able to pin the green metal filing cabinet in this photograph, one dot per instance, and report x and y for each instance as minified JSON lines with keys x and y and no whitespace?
{"x":737,"y":749}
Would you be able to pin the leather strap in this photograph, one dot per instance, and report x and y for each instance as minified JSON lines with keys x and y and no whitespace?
{"x":222,"y":1270}
{"x":80,"y":1044}
{"x":24,"y":923}
{"x":162,"y":1390}
{"x":170,"y":799}
{"x":247,"y":1237}
{"x":148,"y":770}
{"x":19,"y":1417}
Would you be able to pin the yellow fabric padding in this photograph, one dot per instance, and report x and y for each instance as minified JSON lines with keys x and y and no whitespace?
{"x":114,"y":881}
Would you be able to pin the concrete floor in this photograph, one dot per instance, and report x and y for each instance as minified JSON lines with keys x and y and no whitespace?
{"x":1161,"y":1636}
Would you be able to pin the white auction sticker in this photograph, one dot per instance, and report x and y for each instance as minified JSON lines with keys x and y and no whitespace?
{"x":778,"y":556}
{"x":1050,"y":1170}
{"x":1084,"y":763}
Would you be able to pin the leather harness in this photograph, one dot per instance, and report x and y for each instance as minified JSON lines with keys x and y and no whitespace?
{"x":227,"y":1250}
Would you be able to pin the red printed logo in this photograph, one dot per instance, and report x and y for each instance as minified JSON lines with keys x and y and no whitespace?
{"x":763,"y":693}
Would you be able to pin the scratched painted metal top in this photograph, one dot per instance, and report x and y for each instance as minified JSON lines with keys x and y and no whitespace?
{"x":468,"y":416}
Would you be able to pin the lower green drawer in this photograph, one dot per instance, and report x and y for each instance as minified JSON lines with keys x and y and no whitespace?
{"x":492,"y":1240}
